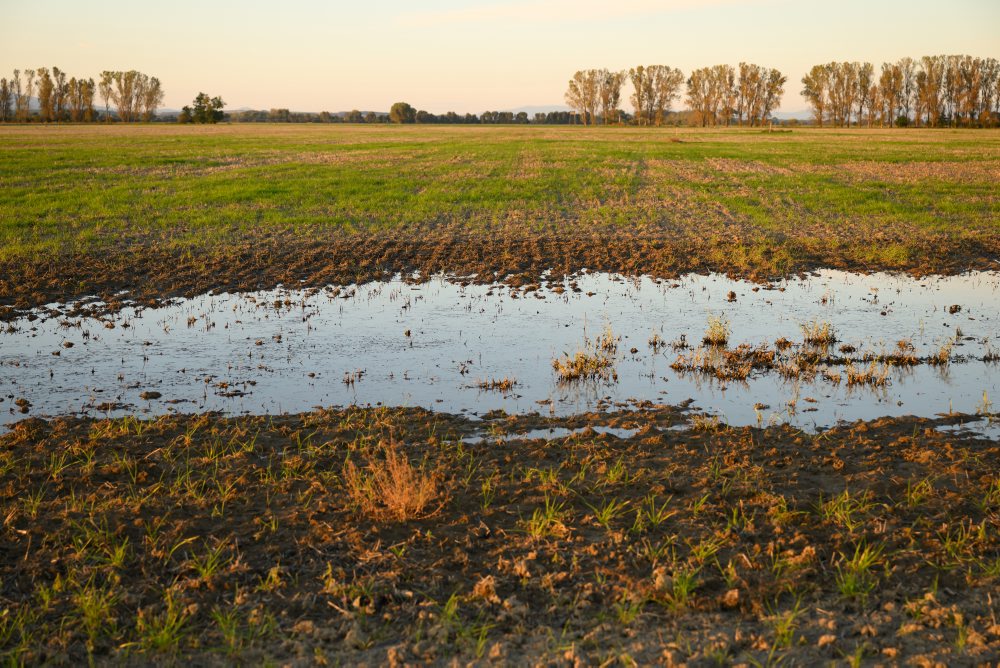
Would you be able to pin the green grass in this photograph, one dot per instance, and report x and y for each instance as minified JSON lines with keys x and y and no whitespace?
{"x":82,"y":187}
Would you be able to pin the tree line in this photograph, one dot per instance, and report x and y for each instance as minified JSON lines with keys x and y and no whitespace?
{"x":134,"y":96}
{"x":934,"y":91}
{"x":403,"y":114}
{"x":721,"y":94}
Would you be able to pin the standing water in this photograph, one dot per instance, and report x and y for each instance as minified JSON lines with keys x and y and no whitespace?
{"x":447,"y":346}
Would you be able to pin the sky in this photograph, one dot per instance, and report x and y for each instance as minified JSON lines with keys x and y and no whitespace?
{"x":465,"y":56}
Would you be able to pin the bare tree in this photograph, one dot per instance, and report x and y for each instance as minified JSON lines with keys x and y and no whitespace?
{"x":890,"y":86}
{"x":712,"y":94}
{"x":45,"y":87}
{"x":908,"y":83}
{"x":815,"y":89}
{"x":725,"y":81}
{"x":609,"y":93}
{"x":748,"y":88}
{"x":865,"y":74}
{"x":665,"y":87}
{"x":87,"y":89}
{"x":773,"y":90}
{"x":106,"y":89}
{"x":640,"y":89}
{"x":58,"y":93}
{"x":16,"y":94}
{"x":758,"y":93}
{"x":874,"y":104}
{"x":127,"y":94}
{"x":151,"y":99}
{"x":991,"y":92}
{"x":930,"y":82}
{"x":699,"y":95}
{"x":581,"y":95}
{"x":29,"y":91}
{"x":5,"y":100}
{"x":74,"y":100}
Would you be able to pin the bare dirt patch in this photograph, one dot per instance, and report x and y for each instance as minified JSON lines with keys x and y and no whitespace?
{"x":315,"y":256}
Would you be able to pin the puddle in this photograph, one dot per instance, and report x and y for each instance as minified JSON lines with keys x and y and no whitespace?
{"x":438,"y":344}
{"x":986,"y":427}
{"x":551,"y":433}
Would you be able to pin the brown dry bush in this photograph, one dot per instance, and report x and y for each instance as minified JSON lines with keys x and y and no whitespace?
{"x":390,"y":487}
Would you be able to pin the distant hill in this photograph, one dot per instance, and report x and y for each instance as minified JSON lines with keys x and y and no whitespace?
{"x":802,"y":115}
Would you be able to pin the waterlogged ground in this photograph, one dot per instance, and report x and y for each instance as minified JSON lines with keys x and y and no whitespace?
{"x":436,"y":344}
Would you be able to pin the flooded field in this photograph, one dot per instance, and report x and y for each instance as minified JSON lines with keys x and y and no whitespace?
{"x":811,"y":351}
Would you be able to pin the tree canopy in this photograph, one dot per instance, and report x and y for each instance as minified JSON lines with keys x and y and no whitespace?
{"x":203,"y":110}
{"x":401,"y":112}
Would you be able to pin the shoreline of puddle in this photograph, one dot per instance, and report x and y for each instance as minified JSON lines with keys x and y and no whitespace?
{"x":431,"y":344}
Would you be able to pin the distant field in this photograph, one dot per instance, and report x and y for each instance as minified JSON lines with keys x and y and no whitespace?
{"x":167,"y":209}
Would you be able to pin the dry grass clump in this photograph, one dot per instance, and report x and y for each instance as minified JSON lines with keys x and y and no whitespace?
{"x":905,"y":354}
{"x":875,"y":374}
{"x":607,"y":342}
{"x":390,"y":487}
{"x":943,"y":355}
{"x":584,"y":366}
{"x":504,"y":384}
{"x":718,"y":331}
{"x":818,"y":333}
{"x":734,"y":364}
{"x":595,"y":362}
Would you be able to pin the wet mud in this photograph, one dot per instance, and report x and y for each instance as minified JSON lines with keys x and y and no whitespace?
{"x":147,"y":270}
{"x":260,"y":539}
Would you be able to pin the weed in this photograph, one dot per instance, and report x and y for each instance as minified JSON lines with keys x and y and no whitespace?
{"x":844,"y":508}
{"x":654,"y":514}
{"x":718,"y":331}
{"x":211,"y":562}
{"x":163,"y":631}
{"x":505,"y":384}
{"x":943,"y":355}
{"x":784,"y":626}
{"x":95,"y":607}
{"x":854,"y":577}
{"x":547,"y":521}
{"x":628,"y":608}
{"x":683,"y":584}
{"x":608,"y":511}
{"x":917,"y":494}
{"x":617,"y":472}
{"x":584,"y":366}
{"x":875,"y":374}
{"x":818,"y":333}
{"x":391,"y":487}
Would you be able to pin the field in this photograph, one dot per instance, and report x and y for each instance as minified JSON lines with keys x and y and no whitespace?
{"x":151,"y":511}
{"x":178,"y":210}
{"x":380,"y":536}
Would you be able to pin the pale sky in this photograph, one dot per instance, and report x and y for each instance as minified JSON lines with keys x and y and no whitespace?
{"x":466,"y":56}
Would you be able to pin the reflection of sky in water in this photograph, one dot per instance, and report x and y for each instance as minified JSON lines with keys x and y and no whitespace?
{"x":296,"y":357}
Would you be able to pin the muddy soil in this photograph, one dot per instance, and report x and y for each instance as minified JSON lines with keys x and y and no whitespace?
{"x":380,"y":536}
{"x":146,"y":270}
